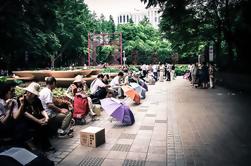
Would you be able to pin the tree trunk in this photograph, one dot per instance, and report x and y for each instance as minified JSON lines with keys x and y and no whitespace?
{"x":228,"y":36}
{"x":52,"y":61}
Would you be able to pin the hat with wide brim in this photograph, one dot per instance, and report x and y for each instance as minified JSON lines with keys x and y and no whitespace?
{"x":78,"y":78}
{"x":33,"y":88}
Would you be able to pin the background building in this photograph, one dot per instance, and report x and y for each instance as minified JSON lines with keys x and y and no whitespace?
{"x":152,"y":14}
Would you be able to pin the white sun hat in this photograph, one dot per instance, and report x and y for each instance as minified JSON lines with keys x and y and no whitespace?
{"x":78,"y":78}
{"x":33,"y":88}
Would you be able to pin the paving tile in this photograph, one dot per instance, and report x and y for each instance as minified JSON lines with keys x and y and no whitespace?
{"x":91,"y":161}
{"x":98,"y":153}
{"x":156,"y":157}
{"x":128,"y":162}
{"x":136,"y":156}
{"x":150,"y":115}
{"x":138,"y":148}
{"x":157,"y":143}
{"x":116,"y":155}
{"x":127,"y":136}
{"x":142,"y":141}
{"x":157,"y":149}
{"x":155,"y":163}
{"x":106,"y":146}
{"x":146,"y":127}
{"x":125,"y":141}
{"x":112,"y":162}
{"x":121,"y":147}
{"x":160,"y":121}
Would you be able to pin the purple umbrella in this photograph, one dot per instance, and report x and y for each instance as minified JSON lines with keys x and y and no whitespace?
{"x":118,"y":110}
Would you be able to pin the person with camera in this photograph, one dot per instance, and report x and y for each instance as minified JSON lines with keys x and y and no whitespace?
{"x":8,"y":111}
{"x":35,"y":118}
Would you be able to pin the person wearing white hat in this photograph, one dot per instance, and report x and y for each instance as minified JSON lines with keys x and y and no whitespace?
{"x":35,"y":116}
{"x":78,"y":88}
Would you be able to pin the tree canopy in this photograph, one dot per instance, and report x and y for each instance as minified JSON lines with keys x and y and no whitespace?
{"x":191,"y":25}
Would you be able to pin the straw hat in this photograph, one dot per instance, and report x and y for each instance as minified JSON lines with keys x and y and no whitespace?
{"x":33,"y":88}
{"x":78,"y":78}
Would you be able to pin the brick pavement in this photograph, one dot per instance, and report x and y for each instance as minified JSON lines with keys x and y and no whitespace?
{"x":176,"y":125}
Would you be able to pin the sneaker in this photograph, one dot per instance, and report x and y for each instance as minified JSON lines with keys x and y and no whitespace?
{"x":94,"y":118}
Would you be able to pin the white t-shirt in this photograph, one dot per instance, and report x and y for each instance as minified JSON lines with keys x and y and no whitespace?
{"x":115,"y":81}
{"x":155,"y":68}
{"x":45,"y":95}
{"x":95,"y":84}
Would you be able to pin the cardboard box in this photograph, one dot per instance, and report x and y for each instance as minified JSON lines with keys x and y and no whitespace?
{"x":92,"y":136}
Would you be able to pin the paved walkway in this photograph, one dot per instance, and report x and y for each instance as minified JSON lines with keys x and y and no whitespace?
{"x":176,"y":125}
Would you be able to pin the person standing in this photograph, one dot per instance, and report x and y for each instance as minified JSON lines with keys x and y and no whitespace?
{"x":161,"y":73}
{"x":211,"y":71}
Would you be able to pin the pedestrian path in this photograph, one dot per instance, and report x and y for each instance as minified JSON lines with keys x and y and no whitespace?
{"x":175,"y":125}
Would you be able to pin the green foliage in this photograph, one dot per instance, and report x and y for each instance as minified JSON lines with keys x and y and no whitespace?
{"x":110,"y":70}
{"x":3,"y":79}
{"x":59,"y":92}
{"x":105,"y":54}
{"x":41,"y":32}
{"x":133,"y":69}
{"x":181,"y":69}
{"x":143,"y":44}
{"x":19,"y":91}
{"x":191,"y":25}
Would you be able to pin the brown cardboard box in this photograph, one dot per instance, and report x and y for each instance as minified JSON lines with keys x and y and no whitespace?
{"x":92,"y":136}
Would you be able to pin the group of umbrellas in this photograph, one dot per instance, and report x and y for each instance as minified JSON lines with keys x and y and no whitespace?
{"x":119,"y":110}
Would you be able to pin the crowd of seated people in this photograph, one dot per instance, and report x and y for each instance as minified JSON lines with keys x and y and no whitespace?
{"x":31,"y":119}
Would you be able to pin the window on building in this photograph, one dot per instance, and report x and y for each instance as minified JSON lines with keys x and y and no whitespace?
{"x":120,"y":19}
{"x":156,"y":19}
{"x":127,"y":18}
{"x":123,"y":18}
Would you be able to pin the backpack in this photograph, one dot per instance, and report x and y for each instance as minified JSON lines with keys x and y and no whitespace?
{"x":81,"y":106}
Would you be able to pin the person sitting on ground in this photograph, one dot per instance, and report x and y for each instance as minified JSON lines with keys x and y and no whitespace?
{"x":139,"y":81}
{"x":9,"y":112}
{"x":35,"y":117}
{"x":77,"y":90}
{"x":98,"y":89}
{"x":128,"y":78}
{"x":106,"y":79}
{"x":116,"y":84}
{"x":60,"y":118}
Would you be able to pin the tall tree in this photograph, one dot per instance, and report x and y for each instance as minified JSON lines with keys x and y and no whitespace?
{"x":194,"y":23}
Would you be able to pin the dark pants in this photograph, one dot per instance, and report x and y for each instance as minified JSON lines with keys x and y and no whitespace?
{"x":168,"y":76}
{"x":99,"y":94}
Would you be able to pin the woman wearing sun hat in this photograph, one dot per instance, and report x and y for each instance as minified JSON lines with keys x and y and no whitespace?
{"x":82,"y":103}
{"x":35,"y":117}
